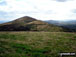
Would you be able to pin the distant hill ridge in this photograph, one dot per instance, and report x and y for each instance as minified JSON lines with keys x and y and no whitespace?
{"x":27,"y":23}
{"x":69,"y":25}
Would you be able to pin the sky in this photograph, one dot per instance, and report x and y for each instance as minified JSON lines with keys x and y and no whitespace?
{"x":39,"y":9}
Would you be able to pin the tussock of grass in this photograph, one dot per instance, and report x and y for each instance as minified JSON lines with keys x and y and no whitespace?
{"x":36,"y":44}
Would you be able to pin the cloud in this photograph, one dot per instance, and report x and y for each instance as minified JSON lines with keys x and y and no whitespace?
{"x":63,"y":0}
{"x":4,"y":16}
{"x":74,"y":11}
{"x":73,"y":14}
{"x":40,"y":9}
{"x":3,"y":3}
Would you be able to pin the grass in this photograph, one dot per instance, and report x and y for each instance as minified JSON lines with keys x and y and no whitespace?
{"x":36,"y":44}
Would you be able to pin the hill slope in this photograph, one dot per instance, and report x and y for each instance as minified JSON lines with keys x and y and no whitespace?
{"x":29,"y":24}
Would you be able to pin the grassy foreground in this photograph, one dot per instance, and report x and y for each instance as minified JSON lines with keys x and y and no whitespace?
{"x":36,"y":44}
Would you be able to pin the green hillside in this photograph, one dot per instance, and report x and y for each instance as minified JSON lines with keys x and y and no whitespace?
{"x":29,"y":24}
{"x":36,"y":44}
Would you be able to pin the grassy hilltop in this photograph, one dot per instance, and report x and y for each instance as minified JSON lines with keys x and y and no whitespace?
{"x":36,"y":44}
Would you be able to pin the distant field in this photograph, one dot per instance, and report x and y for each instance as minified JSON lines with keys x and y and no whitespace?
{"x":36,"y":44}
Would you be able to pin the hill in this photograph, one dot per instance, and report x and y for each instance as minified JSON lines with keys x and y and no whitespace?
{"x":69,"y":25}
{"x":29,"y":24}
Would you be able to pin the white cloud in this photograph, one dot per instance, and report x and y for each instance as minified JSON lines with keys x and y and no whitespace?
{"x":40,"y":9}
{"x":62,"y":0}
